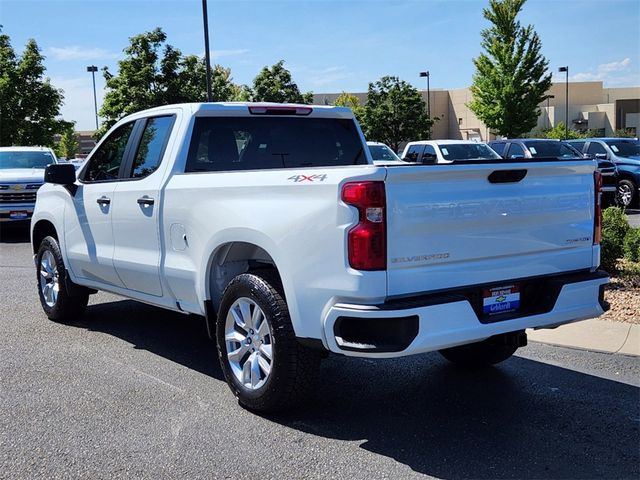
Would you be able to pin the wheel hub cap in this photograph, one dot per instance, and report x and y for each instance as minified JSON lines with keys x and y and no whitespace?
{"x":249,"y":343}
{"x":49,"y":280}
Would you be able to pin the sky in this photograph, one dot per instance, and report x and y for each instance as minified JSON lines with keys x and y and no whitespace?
{"x":329,"y":46}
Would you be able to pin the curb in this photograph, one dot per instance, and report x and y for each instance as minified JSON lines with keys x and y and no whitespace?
{"x":594,"y":335}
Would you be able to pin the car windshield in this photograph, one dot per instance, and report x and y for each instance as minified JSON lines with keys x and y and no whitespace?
{"x":25,"y":159}
{"x":552,"y":149}
{"x":625,"y":148}
{"x":467,"y":151}
{"x":382,"y":152}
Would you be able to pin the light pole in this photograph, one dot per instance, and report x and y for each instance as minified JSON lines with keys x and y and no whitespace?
{"x":93,"y":69}
{"x":566,"y":101}
{"x":205,"y":20}
{"x":548,"y":121}
{"x":426,"y":74}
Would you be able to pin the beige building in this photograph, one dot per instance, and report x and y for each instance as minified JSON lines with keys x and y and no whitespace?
{"x":591,"y":107}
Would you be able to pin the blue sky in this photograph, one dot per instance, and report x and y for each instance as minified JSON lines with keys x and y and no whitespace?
{"x":329,"y":46}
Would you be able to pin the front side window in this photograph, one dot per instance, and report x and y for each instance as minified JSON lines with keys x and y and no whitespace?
{"x":24,"y":159}
{"x":429,"y":156}
{"x":515,"y":150}
{"x":104,"y":164}
{"x":595,"y":148}
{"x":152,"y":144}
{"x":414,"y":152}
{"x":251,"y":143}
{"x":577,"y":145}
{"x":498,"y":147}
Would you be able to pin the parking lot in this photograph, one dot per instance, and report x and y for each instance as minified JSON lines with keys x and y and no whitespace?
{"x":135,"y":391}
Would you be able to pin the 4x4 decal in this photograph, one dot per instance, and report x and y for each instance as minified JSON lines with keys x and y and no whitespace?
{"x":308,"y":178}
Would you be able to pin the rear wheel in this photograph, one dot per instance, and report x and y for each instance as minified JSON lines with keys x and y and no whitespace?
{"x":626,"y":193}
{"x":481,"y":354}
{"x":265,"y":366}
{"x":57,"y":301}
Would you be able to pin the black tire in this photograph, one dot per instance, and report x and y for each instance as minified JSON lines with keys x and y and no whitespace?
{"x":67,"y":307}
{"x":627,"y":193}
{"x":479,"y":354}
{"x":294,"y":367}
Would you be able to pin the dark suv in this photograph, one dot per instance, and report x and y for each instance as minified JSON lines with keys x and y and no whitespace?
{"x":625,"y":155}
{"x":532,"y":148}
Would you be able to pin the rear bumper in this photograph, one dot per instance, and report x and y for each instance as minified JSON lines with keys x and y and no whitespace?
{"x":15,"y":212}
{"x":433,"y":322}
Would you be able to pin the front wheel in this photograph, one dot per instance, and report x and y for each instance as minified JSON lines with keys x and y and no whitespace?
{"x":626,"y":193}
{"x":57,"y":302}
{"x":265,"y":366}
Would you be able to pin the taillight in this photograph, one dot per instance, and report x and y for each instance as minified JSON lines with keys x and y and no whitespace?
{"x":367,"y":241}
{"x":597,"y":221}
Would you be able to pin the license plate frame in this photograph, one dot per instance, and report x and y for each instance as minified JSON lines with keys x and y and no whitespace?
{"x":501,"y":299}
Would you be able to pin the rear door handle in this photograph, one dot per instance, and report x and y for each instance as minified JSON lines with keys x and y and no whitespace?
{"x":103,"y":201}
{"x":147,"y":201}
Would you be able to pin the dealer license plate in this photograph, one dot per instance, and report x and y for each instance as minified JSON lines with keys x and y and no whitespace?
{"x":503,"y":299}
{"x":18,"y":215}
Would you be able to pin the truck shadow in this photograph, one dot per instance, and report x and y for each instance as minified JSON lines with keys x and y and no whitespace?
{"x":15,"y":232}
{"x":523,"y":419}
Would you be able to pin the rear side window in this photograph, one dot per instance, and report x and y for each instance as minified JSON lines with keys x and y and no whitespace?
{"x":414,"y":153}
{"x":498,"y":147}
{"x":253,"y":143}
{"x":152,"y":145}
{"x":104,"y":164}
{"x":551,"y":149}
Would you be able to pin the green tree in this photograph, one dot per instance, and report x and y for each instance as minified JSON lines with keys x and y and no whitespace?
{"x":276,"y":85}
{"x":511,"y":77}
{"x":351,"y":101}
{"x":394,"y":113}
{"x":68,"y":145}
{"x":154,"y":73}
{"x":29,"y":104}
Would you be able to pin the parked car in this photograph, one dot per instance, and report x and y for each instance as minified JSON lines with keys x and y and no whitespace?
{"x":624,"y":153}
{"x":21,"y":175}
{"x":447,"y":151}
{"x":273,"y":222}
{"x":382,"y":153}
{"x":537,"y":148}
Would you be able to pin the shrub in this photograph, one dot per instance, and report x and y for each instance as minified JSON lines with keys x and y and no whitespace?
{"x":631,"y":245}
{"x":614,"y":229}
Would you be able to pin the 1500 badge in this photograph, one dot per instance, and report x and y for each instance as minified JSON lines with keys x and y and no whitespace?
{"x":308,"y":178}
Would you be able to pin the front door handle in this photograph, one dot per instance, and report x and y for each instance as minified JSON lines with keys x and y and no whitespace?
{"x":147,"y":201}
{"x":102,"y":201}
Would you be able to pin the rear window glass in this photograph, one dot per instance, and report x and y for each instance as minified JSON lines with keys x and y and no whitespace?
{"x":252,"y":143}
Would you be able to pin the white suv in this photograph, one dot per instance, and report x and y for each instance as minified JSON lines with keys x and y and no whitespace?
{"x":447,"y":151}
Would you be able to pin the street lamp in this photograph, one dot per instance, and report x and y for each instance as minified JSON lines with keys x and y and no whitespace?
{"x":426,"y":74}
{"x":205,"y":20}
{"x":548,"y":121}
{"x":566,"y":101}
{"x":93,"y":69}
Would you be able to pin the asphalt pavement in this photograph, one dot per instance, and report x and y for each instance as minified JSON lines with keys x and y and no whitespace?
{"x":132,"y":391}
{"x":633,"y":215}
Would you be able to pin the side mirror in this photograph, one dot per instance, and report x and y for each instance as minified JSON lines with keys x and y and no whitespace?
{"x":60,"y":174}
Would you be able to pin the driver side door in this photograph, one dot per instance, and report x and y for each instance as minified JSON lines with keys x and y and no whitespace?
{"x":88,"y":230}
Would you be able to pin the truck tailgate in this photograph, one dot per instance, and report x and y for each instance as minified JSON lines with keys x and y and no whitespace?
{"x":450,"y":226}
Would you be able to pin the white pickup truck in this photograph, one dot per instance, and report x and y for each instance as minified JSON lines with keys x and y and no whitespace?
{"x":273,"y":222}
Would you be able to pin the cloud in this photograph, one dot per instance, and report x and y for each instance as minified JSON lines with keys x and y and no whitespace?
{"x":322,"y":77}
{"x":78,"y":99}
{"x":80,"y":53}
{"x":613,"y":73}
{"x":229,"y":52}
